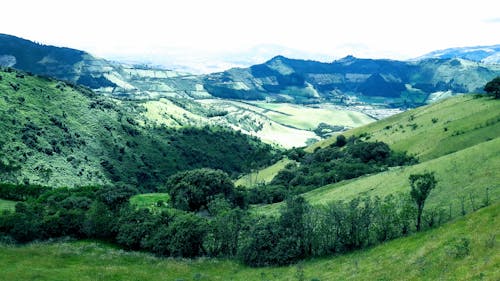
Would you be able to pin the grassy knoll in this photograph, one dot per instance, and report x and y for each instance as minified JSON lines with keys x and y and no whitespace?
{"x":264,"y":175}
{"x":7,"y":205}
{"x":460,"y":175}
{"x":465,"y":249}
{"x":150,"y":200}
{"x":437,"y":129}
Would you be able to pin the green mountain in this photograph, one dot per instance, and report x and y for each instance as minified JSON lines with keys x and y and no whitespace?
{"x":340,"y":95}
{"x":352,"y":81}
{"x":59,"y":134}
{"x":176,"y":99}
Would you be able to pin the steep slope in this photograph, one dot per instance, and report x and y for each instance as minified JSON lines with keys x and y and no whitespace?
{"x":457,"y":138}
{"x":59,"y":134}
{"x":352,"y":81}
{"x":465,"y":249}
{"x":174,"y":99}
{"x":106,"y":77}
{"x":437,"y":129}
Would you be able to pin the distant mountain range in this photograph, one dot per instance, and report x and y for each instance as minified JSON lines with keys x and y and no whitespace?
{"x":345,"y":81}
{"x":352,"y":81}
{"x":485,"y":54}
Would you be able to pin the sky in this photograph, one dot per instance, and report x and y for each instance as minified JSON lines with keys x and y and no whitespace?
{"x":211,"y":30}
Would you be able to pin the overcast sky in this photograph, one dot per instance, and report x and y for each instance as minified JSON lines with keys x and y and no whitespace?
{"x":369,"y":28}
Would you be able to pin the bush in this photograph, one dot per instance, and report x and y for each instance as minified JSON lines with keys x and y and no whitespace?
{"x":193,"y":190}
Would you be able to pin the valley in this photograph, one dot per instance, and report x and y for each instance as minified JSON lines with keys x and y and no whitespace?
{"x":355,"y":169}
{"x":321,"y":93}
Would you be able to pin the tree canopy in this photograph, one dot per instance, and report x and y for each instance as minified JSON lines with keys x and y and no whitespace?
{"x":493,"y":87}
{"x":193,"y":190}
{"x":421,"y":186}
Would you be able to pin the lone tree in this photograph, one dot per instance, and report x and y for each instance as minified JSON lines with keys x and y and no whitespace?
{"x":421,"y":186}
{"x":493,"y":87}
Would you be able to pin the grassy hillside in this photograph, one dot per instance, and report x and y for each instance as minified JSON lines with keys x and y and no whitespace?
{"x":437,"y":129}
{"x":465,"y":249}
{"x":59,"y":134}
{"x":460,"y":175}
{"x":7,"y":205}
{"x":465,"y":156}
{"x":264,"y":175}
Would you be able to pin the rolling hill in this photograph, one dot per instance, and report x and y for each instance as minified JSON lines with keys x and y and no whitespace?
{"x":59,"y":134}
{"x":457,"y":138}
{"x":174,"y":99}
{"x":465,"y":158}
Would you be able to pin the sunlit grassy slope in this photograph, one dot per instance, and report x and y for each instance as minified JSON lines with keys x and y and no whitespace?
{"x":308,"y":118}
{"x":460,"y":175}
{"x":436,"y":254}
{"x":437,"y":129}
{"x":7,"y":205}
{"x":465,"y":157}
{"x":264,"y":175}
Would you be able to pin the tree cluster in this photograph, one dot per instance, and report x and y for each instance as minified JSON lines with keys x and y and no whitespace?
{"x":345,"y":159}
{"x":493,"y":87}
{"x":217,"y":226}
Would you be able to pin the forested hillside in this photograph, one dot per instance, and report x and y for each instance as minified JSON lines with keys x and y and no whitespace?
{"x":60,"y":134}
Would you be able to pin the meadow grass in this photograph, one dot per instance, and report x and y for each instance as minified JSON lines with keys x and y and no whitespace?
{"x":7,"y":205}
{"x":461,"y":176}
{"x":150,"y":200}
{"x":437,"y":254}
{"x":262,"y":176}
{"x":435,"y":130}
{"x":308,"y":118}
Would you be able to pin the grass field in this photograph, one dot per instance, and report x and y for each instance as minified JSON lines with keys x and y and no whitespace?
{"x":465,"y":249}
{"x":437,"y":129}
{"x":460,"y":175}
{"x":308,"y":118}
{"x":265,"y":175}
{"x":465,"y":163}
{"x":7,"y":205}
{"x":150,"y":200}
{"x":289,"y":125}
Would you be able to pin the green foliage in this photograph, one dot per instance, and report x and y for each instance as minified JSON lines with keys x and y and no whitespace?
{"x":52,"y":126}
{"x":425,"y":256}
{"x":493,"y":87}
{"x":193,"y":190}
{"x":341,"y":161}
{"x":21,"y":192}
{"x":223,"y":238}
{"x":340,"y":141}
{"x":421,"y":187}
